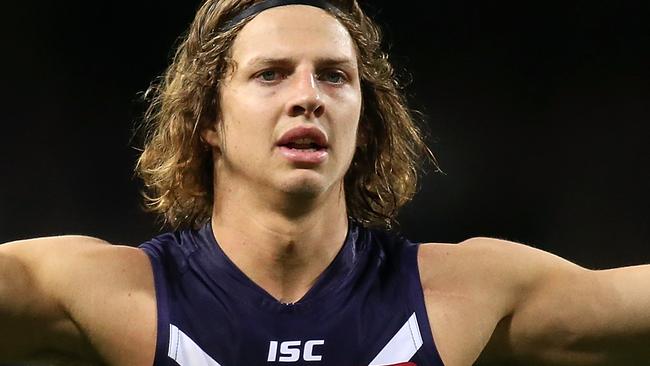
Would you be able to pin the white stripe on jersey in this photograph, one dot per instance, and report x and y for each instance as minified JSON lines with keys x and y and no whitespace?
{"x":185,"y":352}
{"x":403,"y":346}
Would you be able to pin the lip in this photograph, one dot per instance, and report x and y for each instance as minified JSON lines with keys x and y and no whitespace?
{"x":304,"y":156}
{"x":301,"y":132}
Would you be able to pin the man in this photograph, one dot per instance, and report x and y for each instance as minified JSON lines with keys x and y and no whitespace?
{"x":277,"y":138}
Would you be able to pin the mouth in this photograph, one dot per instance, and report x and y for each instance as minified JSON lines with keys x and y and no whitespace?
{"x":302,"y":155}
{"x":304,"y":144}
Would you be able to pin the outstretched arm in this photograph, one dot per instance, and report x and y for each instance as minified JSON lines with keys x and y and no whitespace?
{"x":563,"y":314}
{"x":34,"y":323}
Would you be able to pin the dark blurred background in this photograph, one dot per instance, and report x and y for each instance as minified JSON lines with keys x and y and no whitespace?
{"x":538,"y":116}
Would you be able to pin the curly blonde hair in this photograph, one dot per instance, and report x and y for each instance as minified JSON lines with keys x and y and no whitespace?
{"x":177,"y":168}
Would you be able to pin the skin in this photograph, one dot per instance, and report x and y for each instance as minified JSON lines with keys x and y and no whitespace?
{"x":487,"y":299}
{"x":306,"y":67}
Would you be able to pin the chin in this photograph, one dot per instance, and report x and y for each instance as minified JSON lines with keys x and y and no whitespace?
{"x":306,"y":184}
{"x":306,"y":189}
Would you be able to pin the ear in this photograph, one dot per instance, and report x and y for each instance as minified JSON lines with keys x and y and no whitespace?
{"x":211,"y":135}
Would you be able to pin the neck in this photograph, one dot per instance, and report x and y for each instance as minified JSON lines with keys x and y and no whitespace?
{"x":283,"y":243}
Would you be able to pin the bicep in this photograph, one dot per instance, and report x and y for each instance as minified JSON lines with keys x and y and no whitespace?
{"x":560,"y":313}
{"x":586,"y":317}
{"x":540,"y":296}
{"x":33,"y":321}
{"x":553,"y":321}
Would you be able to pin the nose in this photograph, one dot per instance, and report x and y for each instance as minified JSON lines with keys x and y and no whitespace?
{"x":306,"y":98}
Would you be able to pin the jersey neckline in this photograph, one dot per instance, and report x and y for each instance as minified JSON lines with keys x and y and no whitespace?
{"x":336,"y":277}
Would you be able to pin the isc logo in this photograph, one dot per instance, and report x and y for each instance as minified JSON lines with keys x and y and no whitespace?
{"x":291,"y":351}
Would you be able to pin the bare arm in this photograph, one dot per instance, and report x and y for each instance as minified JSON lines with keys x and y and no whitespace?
{"x":562,"y":314}
{"x":34,"y":322}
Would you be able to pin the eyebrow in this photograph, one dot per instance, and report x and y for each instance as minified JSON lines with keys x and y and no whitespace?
{"x":286,"y":61}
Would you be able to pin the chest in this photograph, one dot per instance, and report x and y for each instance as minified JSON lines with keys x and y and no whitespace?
{"x":366,"y":308}
{"x":335,"y":330}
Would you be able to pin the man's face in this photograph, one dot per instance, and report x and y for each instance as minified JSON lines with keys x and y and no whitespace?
{"x":290,"y":109}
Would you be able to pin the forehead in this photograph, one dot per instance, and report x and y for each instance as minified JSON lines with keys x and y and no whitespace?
{"x":293,"y":31}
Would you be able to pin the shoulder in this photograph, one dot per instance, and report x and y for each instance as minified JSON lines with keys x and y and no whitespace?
{"x":78,"y":284}
{"x":471,"y":287}
{"x":71,"y":268}
{"x":491,"y":266}
{"x":62,"y":255}
{"x":59,"y":255}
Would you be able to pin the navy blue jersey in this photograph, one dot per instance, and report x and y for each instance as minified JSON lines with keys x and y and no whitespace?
{"x":366,"y":309}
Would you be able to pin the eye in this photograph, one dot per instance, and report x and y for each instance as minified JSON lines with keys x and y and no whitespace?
{"x":269,"y":76}
{"x":333,"y":76}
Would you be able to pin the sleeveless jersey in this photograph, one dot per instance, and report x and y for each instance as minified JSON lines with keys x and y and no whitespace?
{"x":366,"y":309}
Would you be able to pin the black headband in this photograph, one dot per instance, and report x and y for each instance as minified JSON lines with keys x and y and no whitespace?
{"x":267,"y":4}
